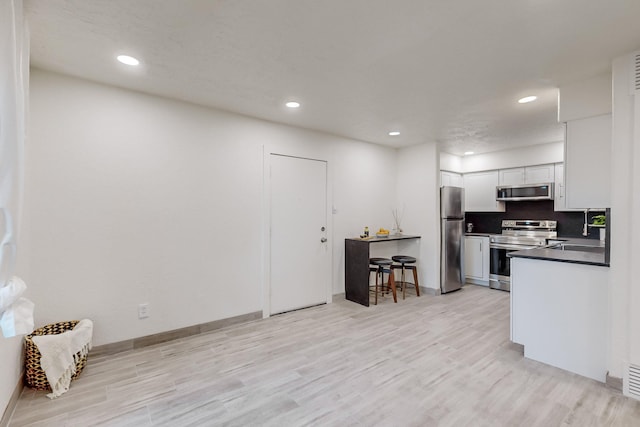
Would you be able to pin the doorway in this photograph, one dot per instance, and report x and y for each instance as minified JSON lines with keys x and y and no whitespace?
{"x":299,"y":261}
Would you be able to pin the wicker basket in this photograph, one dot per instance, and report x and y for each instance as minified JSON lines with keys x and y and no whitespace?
{"x":34,"y":376}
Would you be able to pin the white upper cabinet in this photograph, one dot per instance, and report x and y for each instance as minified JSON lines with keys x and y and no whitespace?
{"x":450,"y":179}
{"x":587,"y":162}
{"x":480,"y":192}
{"x":586,"y":108}
{"x":560,"y":191}
{"x":559,"y":199}
{"x":513,"y":176}
{"x":527,"y":175}
{"x":539,"y":174}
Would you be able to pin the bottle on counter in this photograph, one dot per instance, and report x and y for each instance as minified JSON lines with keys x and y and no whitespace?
{"x":366,"y":232}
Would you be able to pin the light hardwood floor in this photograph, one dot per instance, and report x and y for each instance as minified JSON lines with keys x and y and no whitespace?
{"x":429,"y":361}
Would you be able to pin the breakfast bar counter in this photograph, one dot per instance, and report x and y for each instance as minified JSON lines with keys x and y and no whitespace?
{"x":356,"y":270}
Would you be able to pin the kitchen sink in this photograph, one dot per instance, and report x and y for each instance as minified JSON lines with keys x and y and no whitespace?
{"x":579,"y":248}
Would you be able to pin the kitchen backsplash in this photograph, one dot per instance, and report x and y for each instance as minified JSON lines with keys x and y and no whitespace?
{"x":570,"y":224}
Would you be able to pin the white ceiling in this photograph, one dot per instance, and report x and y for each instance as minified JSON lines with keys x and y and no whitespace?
{"x":443,"y":70}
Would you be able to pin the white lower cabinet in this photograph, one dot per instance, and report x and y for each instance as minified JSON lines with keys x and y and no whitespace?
{"x":476,"y":259}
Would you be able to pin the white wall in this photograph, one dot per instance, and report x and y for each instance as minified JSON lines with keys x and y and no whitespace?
{"x":133,"y":198}
{"x":418,"y":190}
{"x":516,"y":157}
{"x":364,"y":179}
{"x":587,"y":98}
{"x":624,"y":289}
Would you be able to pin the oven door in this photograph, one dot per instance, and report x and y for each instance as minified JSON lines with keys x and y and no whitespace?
{"x":500,"y":264}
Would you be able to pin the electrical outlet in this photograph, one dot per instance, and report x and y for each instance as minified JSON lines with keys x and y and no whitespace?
{"x":143,"y":310}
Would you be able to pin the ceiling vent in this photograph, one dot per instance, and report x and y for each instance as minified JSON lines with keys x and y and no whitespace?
{"x":635,"y":74}
{"x":632,"y":382}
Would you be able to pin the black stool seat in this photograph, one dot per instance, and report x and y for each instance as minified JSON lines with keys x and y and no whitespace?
{"x":383,"y":265}
{"x":403,"y":259}
{"x":380,"y":261}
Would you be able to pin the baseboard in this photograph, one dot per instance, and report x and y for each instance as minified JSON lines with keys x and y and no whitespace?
{"x":13,"y":401}
{"x":613,"y":382}
{"x":476,"y":282}
{"x":162,"y":337}
{"x":518,"y":348}
{"x":423,"y":291}
{"x":338,"y":297}
{"x":430,"y":291}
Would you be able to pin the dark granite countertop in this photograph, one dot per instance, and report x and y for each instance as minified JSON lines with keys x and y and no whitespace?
{"x":479,"y":234}
{"x":571,"y":256}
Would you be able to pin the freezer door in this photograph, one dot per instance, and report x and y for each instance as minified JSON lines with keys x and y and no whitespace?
{"x":451,"y":202}
{"x":451,"y":255}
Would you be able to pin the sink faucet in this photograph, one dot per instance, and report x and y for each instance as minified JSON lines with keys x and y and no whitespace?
{"x":585,"y":229}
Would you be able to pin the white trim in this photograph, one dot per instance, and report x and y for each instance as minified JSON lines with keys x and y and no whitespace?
{"x":13,"y":402}
{"x":266,"y":233}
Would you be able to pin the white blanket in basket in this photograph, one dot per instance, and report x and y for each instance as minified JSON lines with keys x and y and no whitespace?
{"x":59,"y":354}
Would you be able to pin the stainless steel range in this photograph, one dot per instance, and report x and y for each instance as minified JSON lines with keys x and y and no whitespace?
{"x":517,"y":235}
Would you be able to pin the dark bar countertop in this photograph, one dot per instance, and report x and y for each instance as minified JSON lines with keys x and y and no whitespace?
{"x":373,"y":239}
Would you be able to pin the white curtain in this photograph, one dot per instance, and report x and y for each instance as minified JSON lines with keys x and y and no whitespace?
{"x":16,"y":312}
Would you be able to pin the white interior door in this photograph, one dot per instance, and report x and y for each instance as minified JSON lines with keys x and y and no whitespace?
{"x":299,"y":261}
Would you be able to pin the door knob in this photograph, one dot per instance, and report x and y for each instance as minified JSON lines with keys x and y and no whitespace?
{"x":324,"y":239}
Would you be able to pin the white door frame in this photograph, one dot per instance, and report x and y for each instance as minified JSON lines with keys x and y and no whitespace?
{"x":266,"y":222}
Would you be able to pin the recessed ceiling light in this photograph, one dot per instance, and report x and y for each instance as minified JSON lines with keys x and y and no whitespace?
{"x":527,"y":99}
{"x":129,"y":60}
{"x":293,"y":104}
{"x":468,"y":153}
{"x":394,"y":133}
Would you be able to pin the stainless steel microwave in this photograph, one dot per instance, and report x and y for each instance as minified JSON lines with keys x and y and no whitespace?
{"x":509,"y":193}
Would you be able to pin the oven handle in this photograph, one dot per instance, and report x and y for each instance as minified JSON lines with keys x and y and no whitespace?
{"x":511,"y":247}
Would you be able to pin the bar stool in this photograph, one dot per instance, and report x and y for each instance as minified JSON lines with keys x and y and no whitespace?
{"x":383,"y":265}
{"x":404,"y":260}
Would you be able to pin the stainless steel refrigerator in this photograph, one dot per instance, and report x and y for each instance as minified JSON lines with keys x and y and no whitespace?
{"x":451,"y":238}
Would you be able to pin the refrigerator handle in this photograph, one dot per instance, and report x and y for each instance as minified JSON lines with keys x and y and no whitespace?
{"x":462,"y":248}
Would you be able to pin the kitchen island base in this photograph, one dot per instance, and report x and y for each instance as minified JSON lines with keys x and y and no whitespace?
{"x":559,"y":312}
